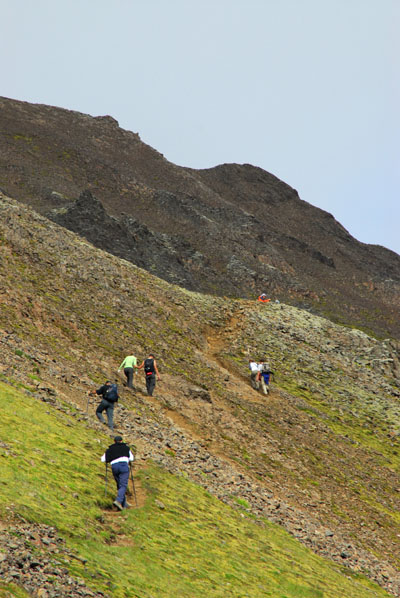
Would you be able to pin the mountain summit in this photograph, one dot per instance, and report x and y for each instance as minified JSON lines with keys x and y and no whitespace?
{"x":233,"y":230}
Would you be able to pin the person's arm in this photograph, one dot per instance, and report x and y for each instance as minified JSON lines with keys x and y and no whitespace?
{"x":156,"y":370}
{"x":139,"y":367}
{"x":131,"y":457}
{"x":122,"y":365}
{"x":96,"y":392}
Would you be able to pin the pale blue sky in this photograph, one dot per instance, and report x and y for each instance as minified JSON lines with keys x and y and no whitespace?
{"x":306,"y":89}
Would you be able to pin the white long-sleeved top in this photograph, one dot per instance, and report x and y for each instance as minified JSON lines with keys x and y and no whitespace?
{"x":120,"y":459}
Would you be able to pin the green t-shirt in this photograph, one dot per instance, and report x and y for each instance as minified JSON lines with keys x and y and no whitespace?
{"x":129,"y":362}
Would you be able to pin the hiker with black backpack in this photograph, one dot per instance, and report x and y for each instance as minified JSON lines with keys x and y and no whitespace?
{"x":150,"y":371}
{"x":109,"y":393}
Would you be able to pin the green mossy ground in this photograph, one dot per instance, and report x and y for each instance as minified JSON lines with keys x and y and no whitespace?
{"x":10,"y":590}
{"x":182,"y":542}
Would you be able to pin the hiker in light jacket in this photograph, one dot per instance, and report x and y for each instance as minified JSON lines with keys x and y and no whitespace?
{"x":253,"y":367}
{"x":128,"y":364}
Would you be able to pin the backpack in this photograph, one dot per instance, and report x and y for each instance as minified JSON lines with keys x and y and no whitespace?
{"x":112,"y":393}
{"x":149,"y":366}
{"x":265,"y":368}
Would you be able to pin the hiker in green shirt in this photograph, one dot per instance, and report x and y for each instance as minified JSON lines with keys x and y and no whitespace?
{"x":128,"y":364}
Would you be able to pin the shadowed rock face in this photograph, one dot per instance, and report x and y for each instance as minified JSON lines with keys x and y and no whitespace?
{"x":166,"y":256}
{"x":233,"y":230}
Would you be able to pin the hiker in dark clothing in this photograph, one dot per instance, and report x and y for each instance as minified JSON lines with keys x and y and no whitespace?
{"x":151,"y":371}
{"x":109,"y":392}
{"x":119,"y":455}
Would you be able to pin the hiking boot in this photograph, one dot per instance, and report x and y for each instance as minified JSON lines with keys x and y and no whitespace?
{"x":127,"y":505}
{"x":117,"y":504}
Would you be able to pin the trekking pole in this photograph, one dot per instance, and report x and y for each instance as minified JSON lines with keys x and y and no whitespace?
{"x":133,"y":484}
{"x":105,"y":487}
{"x":88,"y":403}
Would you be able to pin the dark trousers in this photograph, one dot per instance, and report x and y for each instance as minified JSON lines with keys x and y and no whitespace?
{"x":266,"y":378}
{"x":129,"y":377}
{"x":150,"y":384}
{"x":109,"y":409}
{"x":121,"y":477}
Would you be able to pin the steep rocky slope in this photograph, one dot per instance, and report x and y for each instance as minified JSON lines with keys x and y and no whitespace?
{"x":232,"y":230}
{"x":319,"y":456}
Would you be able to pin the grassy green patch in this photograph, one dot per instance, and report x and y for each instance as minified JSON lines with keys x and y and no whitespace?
{"x":242,"y":503}
{"x":23,"y":138}
{"x":10,"y":590}
{"x":182,"y":542}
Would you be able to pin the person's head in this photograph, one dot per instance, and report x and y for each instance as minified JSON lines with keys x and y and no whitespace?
{"x":108,"y":382}
{"x":151,"y":356}
{"x":117,"y":438}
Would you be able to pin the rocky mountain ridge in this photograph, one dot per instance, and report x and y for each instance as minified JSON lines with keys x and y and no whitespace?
{"x":319,"y":456}
{"x":234,"y":230}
